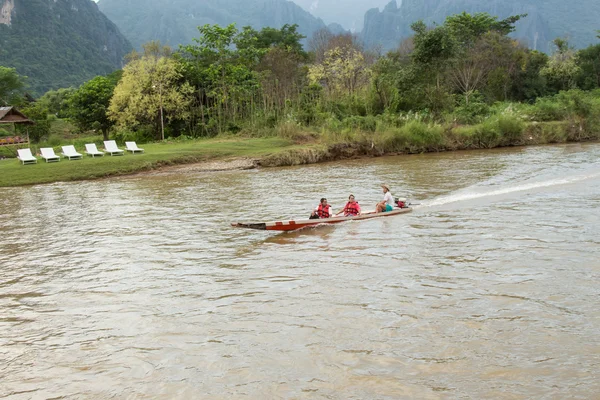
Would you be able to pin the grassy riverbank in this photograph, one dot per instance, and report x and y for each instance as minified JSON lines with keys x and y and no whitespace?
{"x":569,"y":117}
{"x":295,"y":146}
{"x":156,"y":155}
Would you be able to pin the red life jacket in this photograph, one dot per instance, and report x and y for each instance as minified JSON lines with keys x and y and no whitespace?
{"x":324,"y":212}
{"x":351,"y":209}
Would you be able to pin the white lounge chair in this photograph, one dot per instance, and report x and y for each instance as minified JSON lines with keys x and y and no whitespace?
{"x":26,"y":157}
{"x":71,"y":153}
{"x":48,"y":154}
{"x":110,"y":146}
{"x":92,"y":150}
{"x":132,"y":147}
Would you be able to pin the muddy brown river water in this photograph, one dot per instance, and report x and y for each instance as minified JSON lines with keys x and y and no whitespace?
{"x":137,"y":288}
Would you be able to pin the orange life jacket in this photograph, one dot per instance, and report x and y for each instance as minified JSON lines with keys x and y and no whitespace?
{"x":351,"y":209}
{"x":324,"y":212}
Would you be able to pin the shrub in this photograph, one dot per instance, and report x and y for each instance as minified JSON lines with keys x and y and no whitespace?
{"x":511,"y":128}
{"x":466,"y":137}
{"x":415,"y":137}
{"x":487,"y":134}
{"x":293,"y":131}
{"x":8,"y":152}
{"x":472,"y":112}
{"x":576,"y":103}
{"x":555,"y":132}
{"x":144,"y":134}
{"x":368,"y":124}
{"x":548,"y":109}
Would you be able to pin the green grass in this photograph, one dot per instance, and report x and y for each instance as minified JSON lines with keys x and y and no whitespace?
{"x":12,"y":173}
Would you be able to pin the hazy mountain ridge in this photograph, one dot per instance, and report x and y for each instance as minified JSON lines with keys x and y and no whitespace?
{"x":546,"y":20}
{"x":176,"y":22}
{"x":71,"y":42}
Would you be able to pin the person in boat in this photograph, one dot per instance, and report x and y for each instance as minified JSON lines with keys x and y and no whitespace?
{"x":323,"y":210}
{"x":388,"y":200}
{"x":351,"y":209}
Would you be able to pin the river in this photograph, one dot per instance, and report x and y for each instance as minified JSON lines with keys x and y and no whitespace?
{"x":138,"y":288}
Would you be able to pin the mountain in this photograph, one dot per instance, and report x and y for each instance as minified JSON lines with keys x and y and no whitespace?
{"x":547,"y":19}
{"x":348,"y":13}
{"x":58,"y":43}
{"x":175,"y":22}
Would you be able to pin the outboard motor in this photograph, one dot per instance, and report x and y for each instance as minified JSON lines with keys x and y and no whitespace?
{"x":401,"y":203}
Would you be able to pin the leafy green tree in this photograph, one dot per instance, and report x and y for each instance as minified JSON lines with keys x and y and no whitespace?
{"x":57,"y":101}
{"x":150,"y":92}
{"x":287,"y":38}
{"x":504,"y":58}
{"x":38,"y":114}
{"x":222,"y":75}
{"x":483,"y":50}
{"x":529,"y":83}
{"x":384,"y":87}
{"x":281,"y":78}
{"x":588,"y":60}
{"x":468,"y":28}
{"x":89,"y":104}
{"x":434,"y":48}
{"x":11,"y":85}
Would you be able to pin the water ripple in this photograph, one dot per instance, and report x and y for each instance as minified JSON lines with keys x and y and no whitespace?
{"x":138,"y":288}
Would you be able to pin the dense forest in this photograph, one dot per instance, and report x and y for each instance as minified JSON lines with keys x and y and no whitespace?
{"x":461,"y":84}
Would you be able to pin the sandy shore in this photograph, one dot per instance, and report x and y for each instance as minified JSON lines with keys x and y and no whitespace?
{"x":230,"y":164}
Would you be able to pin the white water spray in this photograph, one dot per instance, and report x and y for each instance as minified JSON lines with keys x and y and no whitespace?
{"x":453,"y":198}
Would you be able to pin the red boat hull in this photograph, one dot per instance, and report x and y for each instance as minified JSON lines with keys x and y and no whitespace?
{"x":299,"y":224}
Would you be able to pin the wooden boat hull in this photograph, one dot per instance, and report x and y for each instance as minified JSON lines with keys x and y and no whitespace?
{"x":299,"y":224}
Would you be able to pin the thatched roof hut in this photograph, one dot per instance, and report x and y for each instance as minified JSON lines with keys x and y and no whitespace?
{"x":10,"y":115}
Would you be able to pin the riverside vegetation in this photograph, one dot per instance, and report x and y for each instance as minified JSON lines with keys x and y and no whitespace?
{"x":461,"y":85}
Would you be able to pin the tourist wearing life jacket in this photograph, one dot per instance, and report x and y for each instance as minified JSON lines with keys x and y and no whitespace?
{"x":388,"y":200}
{"x":323,"y":210}
{"x":351,"y":209}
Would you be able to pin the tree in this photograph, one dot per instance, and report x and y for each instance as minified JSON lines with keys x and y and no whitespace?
{"x":383,"y":82}
{"x":467,"y":28}
{"x":150,"y":91}
{"x":88,"y":106}
{"x":434,"y":48}
{"x":343,"y":71}
{"x":503,"y":59}
{"x":220,"y":67}
{"x":57,"y":101}
{"x":319,"y":42}
{"x":588,"y":61}
{"x":529,"y":83}
{"x":470,"y":71}
{"x":38,"y":114}
{"x":281,"y":78}
{"x":11,"y":85}
{"x":287,"y":38}
{"x":562,"y":69}
{"x":323,"y":41}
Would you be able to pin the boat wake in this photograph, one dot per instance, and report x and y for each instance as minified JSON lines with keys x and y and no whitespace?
{"x":470,"y":195}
